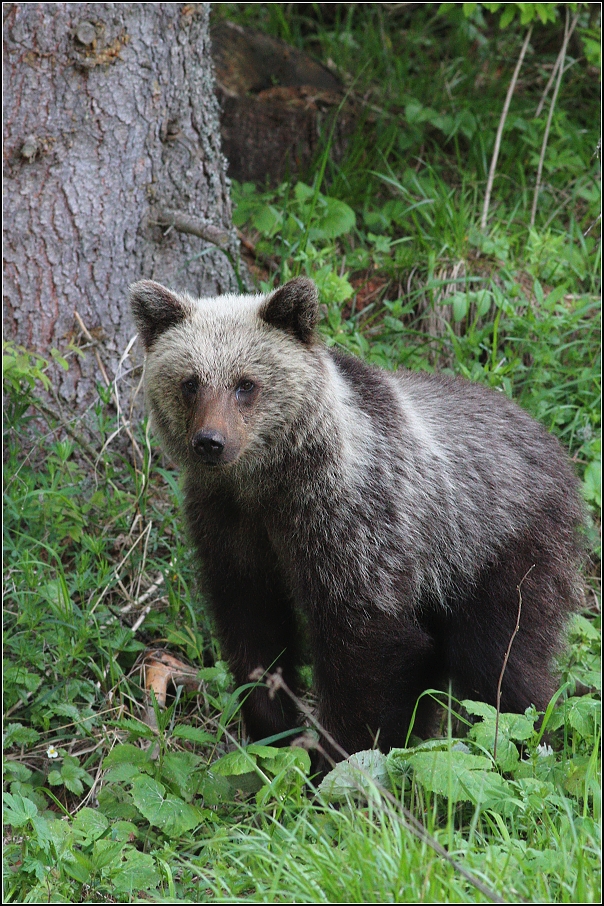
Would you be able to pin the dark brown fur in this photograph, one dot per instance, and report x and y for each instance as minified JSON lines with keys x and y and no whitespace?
{"x":400,"y":515}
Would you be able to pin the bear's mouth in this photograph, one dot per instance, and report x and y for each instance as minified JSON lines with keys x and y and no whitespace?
{"x":215,"y":462}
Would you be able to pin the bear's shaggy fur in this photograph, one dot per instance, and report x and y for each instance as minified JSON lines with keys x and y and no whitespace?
{"x":399,"y":512}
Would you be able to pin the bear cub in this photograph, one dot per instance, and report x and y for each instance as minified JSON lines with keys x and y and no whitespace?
{"x":399,"y":512}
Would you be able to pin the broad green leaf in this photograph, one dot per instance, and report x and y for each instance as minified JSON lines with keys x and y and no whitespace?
{"x":583,"y":714}
{"x":510,"y":727}
{"x":592,"y":483}
{"x":507,"y":15}
{"x":381,"y":244}
{"x":116,"y":803}
{"x":48,"y":832}
{"x":578,"y":771}
{"x":481,"y":709}
{"x":66,"y":710}
{"x":507,"y":753}
{"x":262,"y":751}
{"x":267,"y":220}
{"x":303,"y":193}
{"x":333,"y":289}
{"x":490,"y":790}
{"x":535,"y":792}
{"x":91,"y":823}
{"x":517,"y":726}
{"x":136,"y":728}
{"x":16,"y":772}
{"x":293,"y":758}
{"x":546,"y":12}
{"x":214,"y":789}
{"x":415,"y":113}
{"x":451,"y":773}
{"x":21,"y":677}
{"x":73,"y":776}
{"x":18,"y":735}
{"x":171,"y":814}
{"x":136,"y":872}
{"x":37,"y":868}
{"x":127,"y":754}
{"x":355,"y":775}
{"x":79,"y":866}
{"x":18,"y":810}
{"x":239,"y":762}
{"x":122,"y":773}
{"x":460,"y":303}
{"x":482,"y":300}
{"x":581,"y":626}
{"x":336,"y":219}
{"x":124,"y":831}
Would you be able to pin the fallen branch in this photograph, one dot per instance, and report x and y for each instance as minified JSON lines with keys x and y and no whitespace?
{"x":134,"y":605}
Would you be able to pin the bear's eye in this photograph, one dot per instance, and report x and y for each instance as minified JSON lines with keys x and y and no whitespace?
{"x":189,"y":386}
{"x":244,"y":388}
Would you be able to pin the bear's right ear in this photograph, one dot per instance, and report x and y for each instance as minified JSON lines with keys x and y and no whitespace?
{"x":155,"y":309}
{"x":294,"y":307}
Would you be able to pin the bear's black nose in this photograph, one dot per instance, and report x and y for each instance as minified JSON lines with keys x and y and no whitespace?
{"x":209,"y":446}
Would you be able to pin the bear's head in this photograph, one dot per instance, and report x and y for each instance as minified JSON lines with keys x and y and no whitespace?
{"x":227,"y":379}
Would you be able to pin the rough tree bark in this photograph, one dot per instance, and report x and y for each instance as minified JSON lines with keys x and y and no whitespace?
{"x":111,"y":135}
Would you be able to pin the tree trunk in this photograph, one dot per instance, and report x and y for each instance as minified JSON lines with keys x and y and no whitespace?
{"x":111,"y":150}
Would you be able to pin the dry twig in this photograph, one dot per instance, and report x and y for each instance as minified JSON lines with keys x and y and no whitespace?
{"x":114,"y":391}
{"x":554,"y":72}
{"x":568,"y":30}
{"x":507,"y":655}
{"x":504,"y":113}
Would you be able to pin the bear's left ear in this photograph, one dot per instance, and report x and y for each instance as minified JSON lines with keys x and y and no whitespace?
{"x":155,"y":309}
{"x":294,"y":307}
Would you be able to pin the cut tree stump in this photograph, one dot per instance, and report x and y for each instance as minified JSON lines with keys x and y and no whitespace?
{"x":276,"y":103}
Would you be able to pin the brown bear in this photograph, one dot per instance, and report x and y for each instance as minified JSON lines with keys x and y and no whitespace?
{"x":398,"y":513}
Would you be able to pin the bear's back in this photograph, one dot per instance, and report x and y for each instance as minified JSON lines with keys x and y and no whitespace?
{"x":465,"y":463}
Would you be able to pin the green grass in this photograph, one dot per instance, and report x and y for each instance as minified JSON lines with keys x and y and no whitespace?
{"x":109,"y":797}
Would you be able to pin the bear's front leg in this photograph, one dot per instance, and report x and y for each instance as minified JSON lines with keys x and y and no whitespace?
{"x":370,"y":669}
{"x":257,"y":634}
{"x":252,"y":611}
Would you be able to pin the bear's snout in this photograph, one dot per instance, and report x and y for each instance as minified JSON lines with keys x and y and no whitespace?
{"x":209,"y":446}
